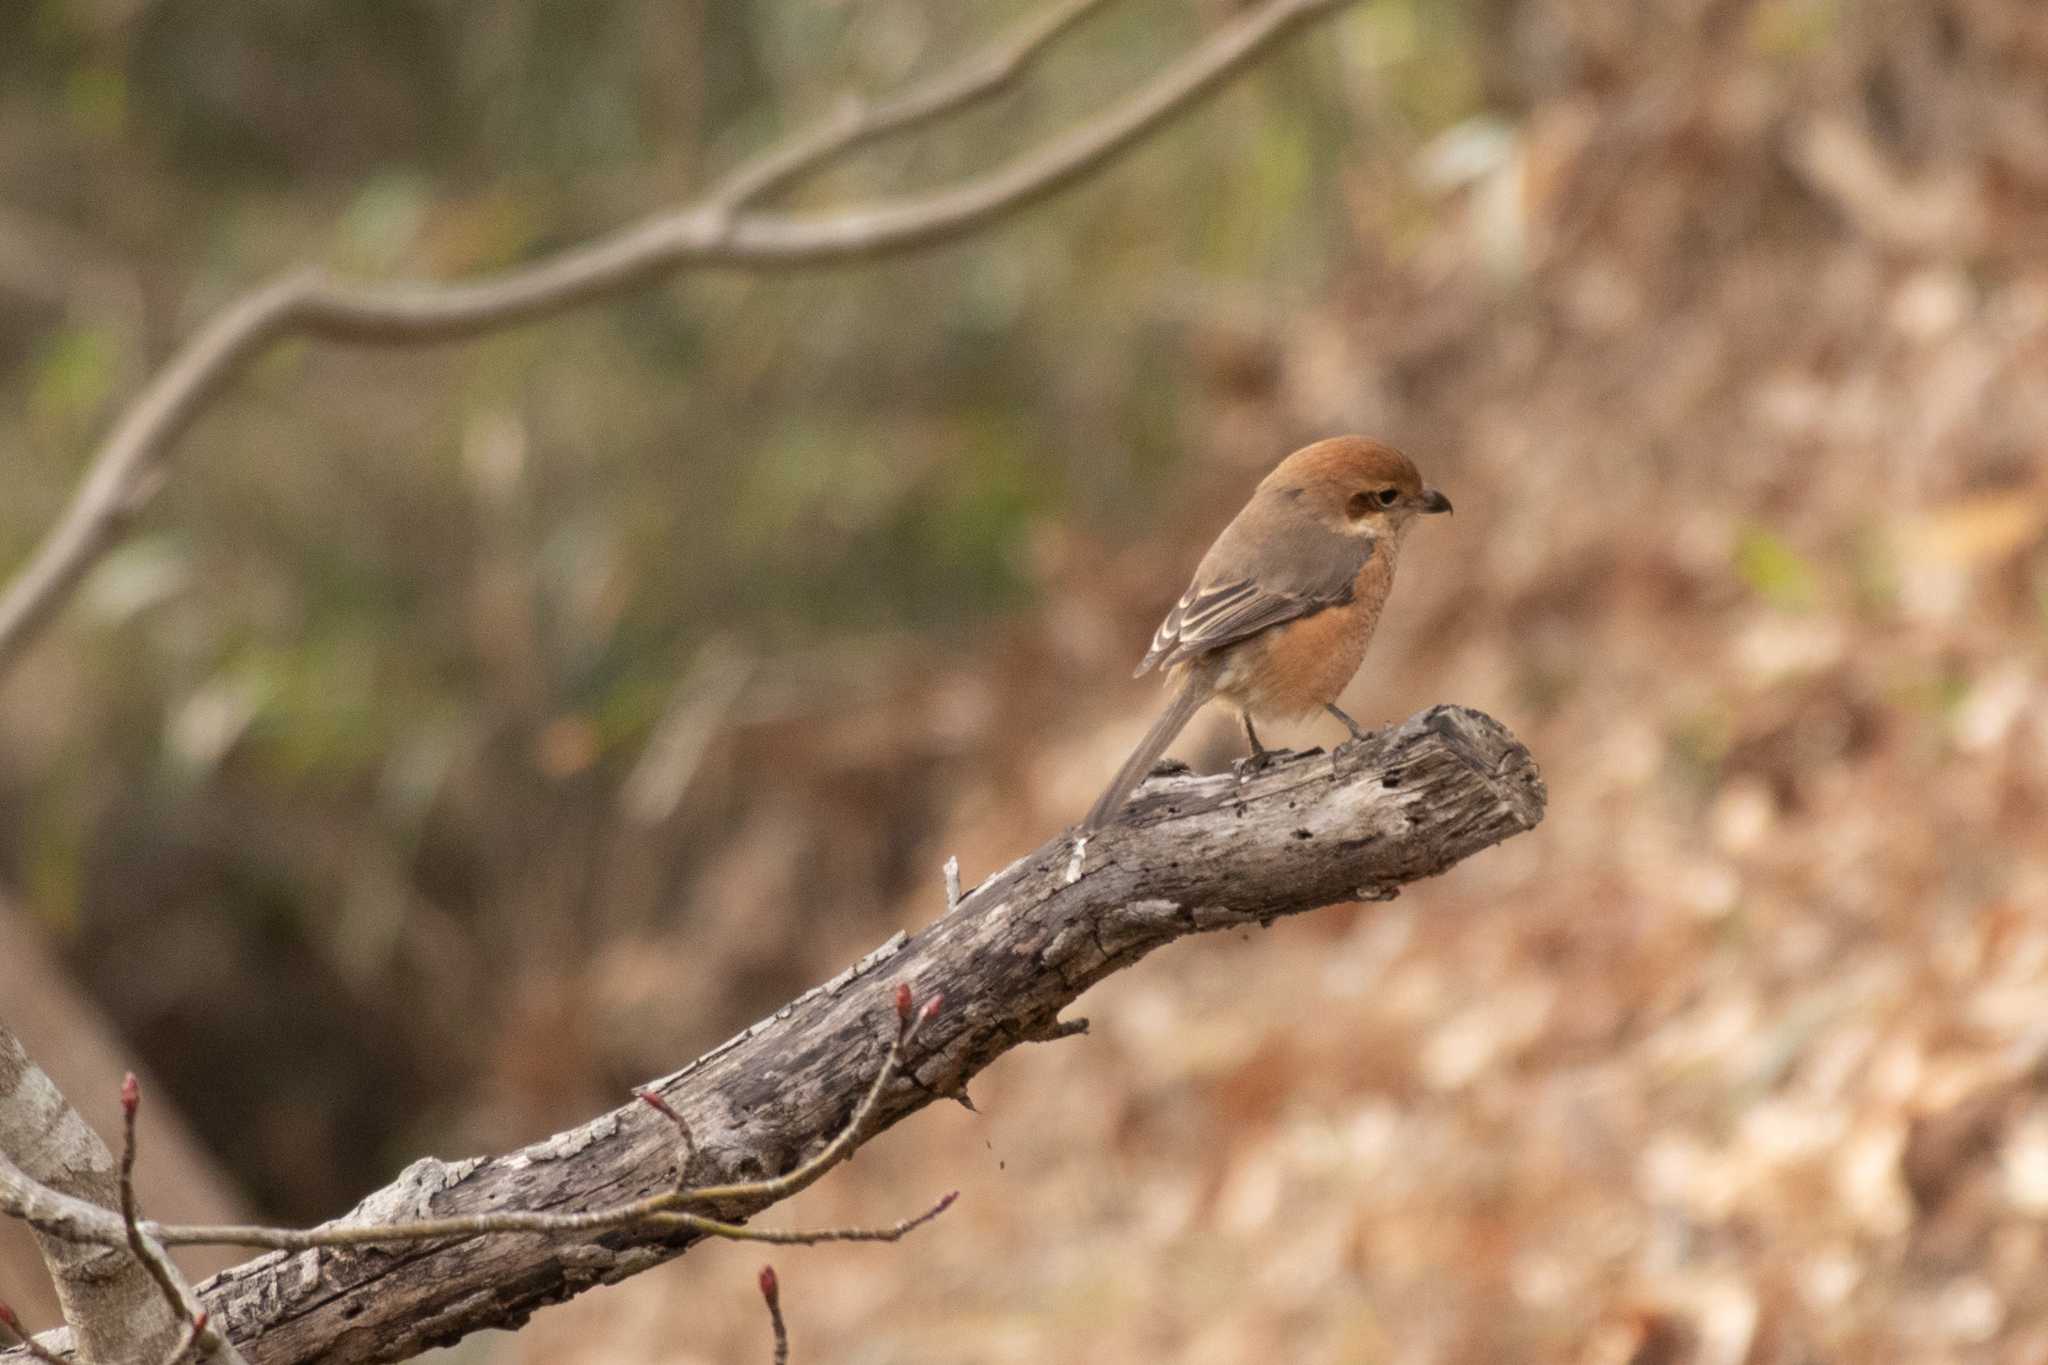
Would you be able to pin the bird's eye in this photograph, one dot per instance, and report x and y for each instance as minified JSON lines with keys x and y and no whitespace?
{"x":1387,"y":496}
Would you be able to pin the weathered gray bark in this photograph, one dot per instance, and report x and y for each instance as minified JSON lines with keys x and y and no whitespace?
{"x":1192,"y":853}
{"x":116,"y":1311}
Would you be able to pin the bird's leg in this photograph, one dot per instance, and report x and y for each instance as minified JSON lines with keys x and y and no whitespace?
{"x":1260,"y":754}
{"x":1349,"y":723}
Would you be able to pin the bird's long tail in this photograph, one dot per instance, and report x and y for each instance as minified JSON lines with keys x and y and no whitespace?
{"x":1199,"y":686}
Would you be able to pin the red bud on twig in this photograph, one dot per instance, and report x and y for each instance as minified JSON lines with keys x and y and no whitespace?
{"x":770,"y":1289}
{"x":659,"y":1105}
{"x":131,"y":1094}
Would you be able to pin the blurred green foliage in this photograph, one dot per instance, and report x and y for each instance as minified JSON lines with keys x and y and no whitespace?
{"x":1795,"y":28}
{"x":72,"y":377}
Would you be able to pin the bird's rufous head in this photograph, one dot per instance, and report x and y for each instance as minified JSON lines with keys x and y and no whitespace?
{"x":1355,"y":484}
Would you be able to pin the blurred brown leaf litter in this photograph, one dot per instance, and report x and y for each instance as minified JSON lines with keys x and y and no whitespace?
{"x":515,"y":721}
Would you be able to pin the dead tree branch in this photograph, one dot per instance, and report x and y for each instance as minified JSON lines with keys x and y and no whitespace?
{"x":717,"y":231}
{"x":859,"y":125}
{"x":72,"y":1221}
{"x":1193,"y":854}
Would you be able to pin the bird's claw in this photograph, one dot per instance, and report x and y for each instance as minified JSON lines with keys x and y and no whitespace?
{"x":1252,"y":764}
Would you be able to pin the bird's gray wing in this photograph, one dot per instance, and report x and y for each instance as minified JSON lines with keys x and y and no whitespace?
{"x":1236,"y":595}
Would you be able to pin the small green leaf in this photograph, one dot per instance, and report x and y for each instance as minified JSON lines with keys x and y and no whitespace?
{"x":73,"y":375}
{"x":1775,"y":571}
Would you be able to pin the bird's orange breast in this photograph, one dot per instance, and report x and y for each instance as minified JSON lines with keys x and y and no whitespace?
{"x":1298,"y":667}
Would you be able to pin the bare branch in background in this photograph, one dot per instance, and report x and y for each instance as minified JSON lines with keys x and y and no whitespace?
{"x":797,"y":1092}
{"x":982,"y":77}
{"x":717,"y":231}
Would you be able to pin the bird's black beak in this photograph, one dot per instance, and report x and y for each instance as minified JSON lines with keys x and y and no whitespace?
{"x":1433,"y":501}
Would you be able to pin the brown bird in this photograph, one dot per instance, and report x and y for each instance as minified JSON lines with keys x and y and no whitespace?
{"x":1282,"y":607}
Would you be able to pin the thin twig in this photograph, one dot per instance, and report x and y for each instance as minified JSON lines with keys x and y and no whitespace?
{"x":771,"y":1293}
{"x":801,"y":1237}
{"x":130,"y":465}
{"x":686,"y":1141}
{"x":191,"y":1347}
{"x":13,"y":1327}
{"x":139,"y":1245}
{"x":199,"y":1340}
{"x":908,"y":1021}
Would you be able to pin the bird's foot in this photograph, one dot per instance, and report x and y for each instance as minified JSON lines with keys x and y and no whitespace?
{"x":1349,"y":724}
{"x":1259,"y":760}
